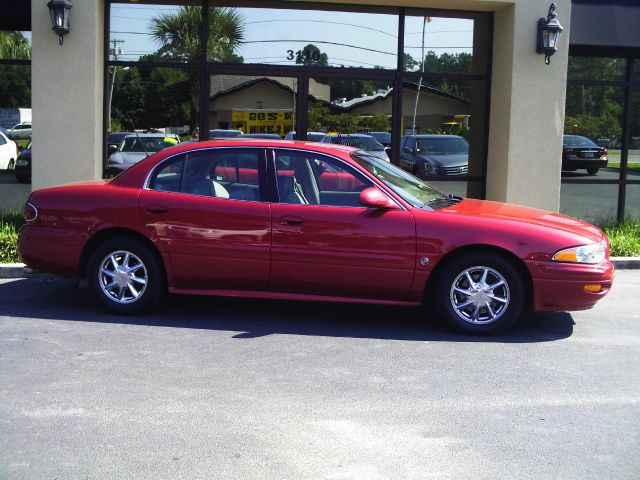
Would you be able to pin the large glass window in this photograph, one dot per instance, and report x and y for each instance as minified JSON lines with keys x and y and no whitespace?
{"x":15,"y":118}
{"x":447,"y":43}
{"x":252,"y":105}
{"x":594,"y":186}
{"x":152,"y":99}
{"x":155,"y":32}
{"x":273,"y":68}
{"x":303,"y":37}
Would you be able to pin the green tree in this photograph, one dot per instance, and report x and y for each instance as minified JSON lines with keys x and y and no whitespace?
{"x":311,"y":56}
{"x":15,"y":80}
{"x":179,"y":36}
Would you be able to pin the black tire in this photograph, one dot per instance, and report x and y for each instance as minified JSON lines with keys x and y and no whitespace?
{"x":492,"y":318}
{"x":143,"y":263}
{"x":592,"y":170}
{"x":22,"y":179}
{"x":11,"y":165}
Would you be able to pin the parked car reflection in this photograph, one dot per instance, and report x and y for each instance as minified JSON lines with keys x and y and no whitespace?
{"x":581,"y":152}
{"x":431,"y":154}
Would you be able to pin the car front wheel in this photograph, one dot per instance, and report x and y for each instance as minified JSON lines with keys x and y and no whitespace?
{"x":480,"y":294}
{"x":126,"y":276}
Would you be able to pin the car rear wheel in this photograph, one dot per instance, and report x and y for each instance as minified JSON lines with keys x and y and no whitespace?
{"x":480,"y":294}
{"x":11,"y":164}
{"x":126,"y":276}
{"x":592,"y":170}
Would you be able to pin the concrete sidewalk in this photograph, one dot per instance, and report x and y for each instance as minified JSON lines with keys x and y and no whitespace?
{"x":20,"y":270}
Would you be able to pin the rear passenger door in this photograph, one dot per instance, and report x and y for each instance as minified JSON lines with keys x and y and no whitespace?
{"x":206,"y":208}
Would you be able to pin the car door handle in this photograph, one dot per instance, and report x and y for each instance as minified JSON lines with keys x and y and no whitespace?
{"x":291,"y":220}
{"x":157,"y":210}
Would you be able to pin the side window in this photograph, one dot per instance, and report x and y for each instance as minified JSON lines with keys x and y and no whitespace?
{"x":224,"y":173}
{"x":168,"y":176}
{"x":232,"y":173}
{"x":315,"y":179}
{"x":2,"y":140}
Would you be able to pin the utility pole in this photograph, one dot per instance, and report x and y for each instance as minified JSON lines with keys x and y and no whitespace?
{"x":114,"y":52}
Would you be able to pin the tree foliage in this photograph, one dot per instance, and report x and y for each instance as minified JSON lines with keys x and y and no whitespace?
{"x":179,"y":34}
{"x":15,"y":80}
{"x":321,"y":118}
{"x":595,"y":111}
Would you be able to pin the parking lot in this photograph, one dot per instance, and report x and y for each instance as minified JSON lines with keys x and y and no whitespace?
{"x":230,"y":388}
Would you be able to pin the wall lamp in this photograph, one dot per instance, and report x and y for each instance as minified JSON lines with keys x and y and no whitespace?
{"x":59,"y":10}
{"x":549,"y":30}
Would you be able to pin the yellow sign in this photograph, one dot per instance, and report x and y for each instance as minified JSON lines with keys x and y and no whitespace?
{"x":279,"y":122}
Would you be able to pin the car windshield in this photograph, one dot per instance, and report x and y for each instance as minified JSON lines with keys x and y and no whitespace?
{"x":411,"y":189}
{"x":365,"y":143}
{"x":143,"y":144}
{"x":577,"y":141}
{"x":442,"y":145}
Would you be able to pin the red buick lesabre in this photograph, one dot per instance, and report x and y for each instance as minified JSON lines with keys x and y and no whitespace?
{"x":296,"y":220}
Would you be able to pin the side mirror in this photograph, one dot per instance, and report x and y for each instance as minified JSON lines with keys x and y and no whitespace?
{"x":407,"y":150}
{"x":373,"y":198}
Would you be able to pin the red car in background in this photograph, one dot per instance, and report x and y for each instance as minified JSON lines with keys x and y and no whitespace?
{"x":296,"y":220}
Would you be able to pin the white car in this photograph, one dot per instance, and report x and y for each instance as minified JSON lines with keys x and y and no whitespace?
{"x":20,"y":131}
{"x":8,"y":153}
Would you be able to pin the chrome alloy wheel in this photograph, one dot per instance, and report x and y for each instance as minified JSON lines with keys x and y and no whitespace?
{"x":122,"y":277}
{"x":479,"y":295}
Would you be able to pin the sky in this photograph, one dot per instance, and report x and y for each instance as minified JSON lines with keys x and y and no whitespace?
{"x":274,"y":36}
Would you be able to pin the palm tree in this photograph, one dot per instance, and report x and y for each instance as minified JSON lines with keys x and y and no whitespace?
{"x":14,"y":46}
{"x":179,"y":33}
{"x":179,"y":36}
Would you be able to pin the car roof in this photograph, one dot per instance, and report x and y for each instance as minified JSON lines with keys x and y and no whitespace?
{"x":149,"y":135}
{"x":432,"y":135}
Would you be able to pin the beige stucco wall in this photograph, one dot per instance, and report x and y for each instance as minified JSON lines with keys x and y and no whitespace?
{"x":67,"y":95}
{"x":527,"y":109}
{"x":527,"y":97}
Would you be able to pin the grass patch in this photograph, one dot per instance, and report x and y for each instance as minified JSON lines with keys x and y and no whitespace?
{"x":624,"y":238}
{"x":629,"y":165}
{"x":10,"y":222}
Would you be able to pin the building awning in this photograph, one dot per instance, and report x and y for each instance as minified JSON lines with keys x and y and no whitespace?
{"x":607,"y":24}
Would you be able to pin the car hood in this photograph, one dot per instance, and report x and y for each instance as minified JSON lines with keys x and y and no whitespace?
{"x":456,"y":160}
{"x":127,"y":157}
{"x":522,"y":217}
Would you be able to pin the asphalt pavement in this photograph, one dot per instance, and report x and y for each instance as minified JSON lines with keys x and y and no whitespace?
{"x":233,"y":389}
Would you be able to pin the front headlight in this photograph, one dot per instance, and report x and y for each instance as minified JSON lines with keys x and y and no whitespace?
{"x":593,"y":253}
{"x":22,"y":163}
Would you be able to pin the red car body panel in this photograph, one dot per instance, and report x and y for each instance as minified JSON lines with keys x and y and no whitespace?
{"x":269,"y":249}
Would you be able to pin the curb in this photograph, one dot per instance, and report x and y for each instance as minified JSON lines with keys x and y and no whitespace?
{"x":20,"y":270}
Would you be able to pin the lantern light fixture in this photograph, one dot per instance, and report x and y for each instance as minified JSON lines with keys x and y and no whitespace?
{"x":59,"y":10}
{"x":549,"y":30}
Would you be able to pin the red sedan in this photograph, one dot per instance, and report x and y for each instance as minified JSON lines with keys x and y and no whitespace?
{"x":295,"y":220}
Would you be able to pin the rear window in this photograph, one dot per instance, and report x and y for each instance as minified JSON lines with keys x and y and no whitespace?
{"x":577,"y":141}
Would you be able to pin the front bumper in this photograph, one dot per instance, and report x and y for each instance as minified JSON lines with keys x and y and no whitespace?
{"x":560,"y":286}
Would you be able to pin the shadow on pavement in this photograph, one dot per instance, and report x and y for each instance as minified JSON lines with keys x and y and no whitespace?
{"x":58,"y":299}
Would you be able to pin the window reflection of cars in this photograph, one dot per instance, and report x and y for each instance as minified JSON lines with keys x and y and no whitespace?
{"x":8,"y":153}
{"x":311,"y":136}
{"x":114,"y":139}
{"x":361,"y":141}
{"x":580,"y":152}
{"x":20,"y":131}
{"x":22,"y":169}
{"x":432,"y":154}
{"x":223,"y":133}
{"x":382,"y":137}
{"x":134,"y":148}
